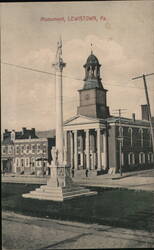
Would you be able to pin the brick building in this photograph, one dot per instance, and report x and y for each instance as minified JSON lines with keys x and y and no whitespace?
{"x":92,"y":136}
{"x":26,"y":151}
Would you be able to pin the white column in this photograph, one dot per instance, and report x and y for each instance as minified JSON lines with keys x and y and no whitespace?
{"x":71,"y":145}
{"x":105,"y":149}
{"x":98,"y":149}
{"x":75,"y":150}
{"x":87,"y":149}
{"x":59,"y":65}
{"x":59,"y":116}
{"x":81,"y":155}
{"x":65,"y":143}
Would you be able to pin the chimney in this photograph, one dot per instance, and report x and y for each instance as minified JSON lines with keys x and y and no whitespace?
{"x":33,"y":132}
{"x":144,"y":112}
{"x":133,"y":117}
{"x":23,"y":130}
{"x":13,"y":135}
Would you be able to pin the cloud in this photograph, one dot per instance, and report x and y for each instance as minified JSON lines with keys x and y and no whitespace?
{"x":31,"y":96}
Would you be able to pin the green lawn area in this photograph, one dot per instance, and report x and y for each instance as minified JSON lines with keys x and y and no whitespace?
{"x":115,"y":207}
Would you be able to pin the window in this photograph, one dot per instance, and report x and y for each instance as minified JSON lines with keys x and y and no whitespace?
{"x":131,"y":159}
{"x":150,"y":157}
{"x":141,"y":158}
{"x":4,"y":150}
{"x":121,"y":131}
{"x":38,"y":163}
{"x":122,"y":158}
{"x":22,"y":162}
{"x":27,"y":149}
{"x":17,"y":162}
{"x":32,"y":162}
{"x":17,"y":149}
{"x":130,"y":130}
{"x":141,"y":136}
{"x":33,"y":149}
{"x":150,"y":138}
{"x":38,"y":148}
{"x":44,"y":148}
{"x":10,"y":149}
{"x":121,"y":135}
{"x":22,"y":149}
{"x":79,"y":159}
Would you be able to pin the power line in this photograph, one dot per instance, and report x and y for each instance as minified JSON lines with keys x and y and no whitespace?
{"x":65,"y":76}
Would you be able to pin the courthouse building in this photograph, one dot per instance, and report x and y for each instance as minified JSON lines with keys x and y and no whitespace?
{"x":92,"y":135}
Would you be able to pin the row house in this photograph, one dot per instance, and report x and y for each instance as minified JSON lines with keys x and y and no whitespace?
{"x":24,"y":152}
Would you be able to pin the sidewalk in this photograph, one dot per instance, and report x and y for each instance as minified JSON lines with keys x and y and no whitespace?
{"x":139,"y":180}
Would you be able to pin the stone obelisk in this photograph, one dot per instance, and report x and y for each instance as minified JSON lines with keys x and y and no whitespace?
{"x":59,"y":185}
{"x":59,"y":65}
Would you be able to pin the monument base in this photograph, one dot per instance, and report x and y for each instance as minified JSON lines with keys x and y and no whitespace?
{"x":59,"y":188}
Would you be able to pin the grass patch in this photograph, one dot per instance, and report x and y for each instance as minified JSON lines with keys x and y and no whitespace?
{"x":115,"y":207}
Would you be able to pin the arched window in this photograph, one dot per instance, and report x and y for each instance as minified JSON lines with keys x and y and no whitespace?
{"x":32,"y":161}
{"x":121,"y":131}
{"x":22,"y":162}
{"x":150,"y":137}
{"x":141,"y":158}
{"x":130,"y":130}
{"x":122,"y":158}
{"x":141,"y":136}
{"x":150,"y":157}
{"x":17,"y":162}
{"x":131,"y":158}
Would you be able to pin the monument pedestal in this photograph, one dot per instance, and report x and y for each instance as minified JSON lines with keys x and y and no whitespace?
{"x":59,"y":187}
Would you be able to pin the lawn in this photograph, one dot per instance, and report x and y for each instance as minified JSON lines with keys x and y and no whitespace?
{"x":115,"y":207}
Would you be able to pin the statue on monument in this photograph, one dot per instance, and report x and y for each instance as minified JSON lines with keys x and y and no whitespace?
{"x":54,"y":162}
{"x":54,"y":153}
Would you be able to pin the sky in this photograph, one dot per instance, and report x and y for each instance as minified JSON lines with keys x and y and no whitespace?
{"x":122,"y":38}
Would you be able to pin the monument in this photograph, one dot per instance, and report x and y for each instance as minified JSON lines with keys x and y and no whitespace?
{"x":59,"y":185}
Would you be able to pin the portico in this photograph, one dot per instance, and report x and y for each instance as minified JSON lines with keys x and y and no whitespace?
{"x":86,"y":143}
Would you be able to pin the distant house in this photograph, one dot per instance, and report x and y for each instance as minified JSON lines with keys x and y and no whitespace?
{"x":26,"y":151}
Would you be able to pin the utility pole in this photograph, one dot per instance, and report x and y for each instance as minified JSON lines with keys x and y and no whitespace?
{"x":148,"y":104}
{"x":120,"y":138}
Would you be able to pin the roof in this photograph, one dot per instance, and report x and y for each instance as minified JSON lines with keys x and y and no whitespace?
{"x":92,"y":59}
{"x":46,"y":133}
{"x":7,"y":141}
{"x":129,"y":121}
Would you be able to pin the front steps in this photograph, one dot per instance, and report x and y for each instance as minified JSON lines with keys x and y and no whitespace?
{"x":46,"y":192}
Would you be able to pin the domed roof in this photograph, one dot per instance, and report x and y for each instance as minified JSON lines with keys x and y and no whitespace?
{"x":92,"y":59}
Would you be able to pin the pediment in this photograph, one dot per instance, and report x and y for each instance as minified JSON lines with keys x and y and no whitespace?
{"x":80,"y":120}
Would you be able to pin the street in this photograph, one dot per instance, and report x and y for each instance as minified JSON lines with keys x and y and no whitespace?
{"x":25,"y":232}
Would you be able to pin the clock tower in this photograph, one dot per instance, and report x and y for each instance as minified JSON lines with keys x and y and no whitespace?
{"x":93,"y":95}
